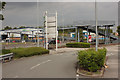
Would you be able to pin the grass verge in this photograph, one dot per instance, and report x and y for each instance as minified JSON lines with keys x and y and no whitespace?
{"x":26,"y":52}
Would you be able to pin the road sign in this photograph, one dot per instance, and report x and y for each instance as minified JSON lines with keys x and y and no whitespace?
{"x":51,"y":19}
{"x":51,"y":24}
{"x":51,"y":28}
{"x":89,"y":37}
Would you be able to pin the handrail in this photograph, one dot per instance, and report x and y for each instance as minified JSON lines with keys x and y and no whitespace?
{"x":6,"y":57}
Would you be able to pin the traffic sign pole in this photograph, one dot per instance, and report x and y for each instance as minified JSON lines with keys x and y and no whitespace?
{"x":56,"y":33}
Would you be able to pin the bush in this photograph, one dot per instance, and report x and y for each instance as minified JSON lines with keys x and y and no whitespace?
{"x":78,"y":45}
{"x":91,"y":60}
{"x":6,"y":51}
{"x":26,"y":52}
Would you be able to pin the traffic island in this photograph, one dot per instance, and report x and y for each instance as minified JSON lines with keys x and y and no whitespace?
{"x":91,"y":63}
{"x":86,"y":73}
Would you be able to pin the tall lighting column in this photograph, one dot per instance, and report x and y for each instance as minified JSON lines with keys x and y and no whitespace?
{"x":37,"y":23}
{"x":63,"y":27}
{"x":96,"y":25}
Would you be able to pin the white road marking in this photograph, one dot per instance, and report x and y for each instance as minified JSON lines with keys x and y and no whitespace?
{"x":40,"y":64}
{"x":110,"y":54}
{"x":16,"y":77}
{"x":115,"y":50}
{"x":77,"y":77}
{"x":61,"y":54}
{"x":111,"y":63}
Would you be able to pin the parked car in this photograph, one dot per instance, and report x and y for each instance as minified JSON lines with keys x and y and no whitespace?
{"x":53,"y":41}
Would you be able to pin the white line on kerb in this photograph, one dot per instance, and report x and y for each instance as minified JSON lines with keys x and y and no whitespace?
{"x":40,"y":64}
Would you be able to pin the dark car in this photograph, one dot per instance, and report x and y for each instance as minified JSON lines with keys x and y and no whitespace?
{"x":52,"y":41}
{"x":93,"y":40}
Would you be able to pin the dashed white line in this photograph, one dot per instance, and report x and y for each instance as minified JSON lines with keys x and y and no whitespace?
{"x":77,"y":77}
{"x":61,"y":54}
{"x":40,"y":64}
{"x":16,"y":77}
{"x":34,"y":66}
{"x":111,"y":63}
{"x":110,"y":54}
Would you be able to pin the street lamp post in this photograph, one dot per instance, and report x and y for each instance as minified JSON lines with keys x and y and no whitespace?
{"x":56,"y":32}
{"x":63,"y":28}
{"x":96,"y":26}
{"x":37,"y":23}
{"x":46,"y":26}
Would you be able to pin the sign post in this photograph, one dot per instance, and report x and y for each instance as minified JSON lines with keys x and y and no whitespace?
{"x":51,"y":28}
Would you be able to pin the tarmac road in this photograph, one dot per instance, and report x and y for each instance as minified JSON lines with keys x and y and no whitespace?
{"x":60,"y":65}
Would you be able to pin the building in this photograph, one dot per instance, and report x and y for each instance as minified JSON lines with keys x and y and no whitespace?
{"x":28,"y":33}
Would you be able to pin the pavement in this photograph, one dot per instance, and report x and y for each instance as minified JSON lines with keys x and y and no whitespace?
{"x":58,"y":64}
{"x":112,"y":62}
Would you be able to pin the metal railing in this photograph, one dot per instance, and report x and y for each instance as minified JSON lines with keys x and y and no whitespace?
{"x":6,"y":57}
{"x":102,"y":32}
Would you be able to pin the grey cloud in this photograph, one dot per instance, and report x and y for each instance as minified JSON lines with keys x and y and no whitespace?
{"x":25,"y":13}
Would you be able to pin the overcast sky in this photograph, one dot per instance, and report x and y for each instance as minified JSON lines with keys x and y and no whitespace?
{"x":61,"y":0}
{"x":26,"y":13}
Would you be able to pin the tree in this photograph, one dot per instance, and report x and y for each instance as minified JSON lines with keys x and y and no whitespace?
{"x":2,"y":6}
{"x":40,"y":27}
{"x":15,"y":28}
{"x":25,"y":37}
{"x":12,"y":36}
{"x":111,"y":31}
{"x":114,"y":33}
{"x":118,"y":30}
{"x":21,"y":27}
{"x":7,"y":28}
{"x":81,"y":34}
{"x":1,"y":17}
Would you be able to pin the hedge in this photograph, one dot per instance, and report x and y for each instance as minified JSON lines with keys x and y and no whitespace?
{"x":78,"y":45}
{"x":6,"y":51}
{"x":26,"y":52}
{"x":92,"y":60}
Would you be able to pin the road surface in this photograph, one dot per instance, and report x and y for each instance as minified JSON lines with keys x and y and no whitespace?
{"x":60,"y":65}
